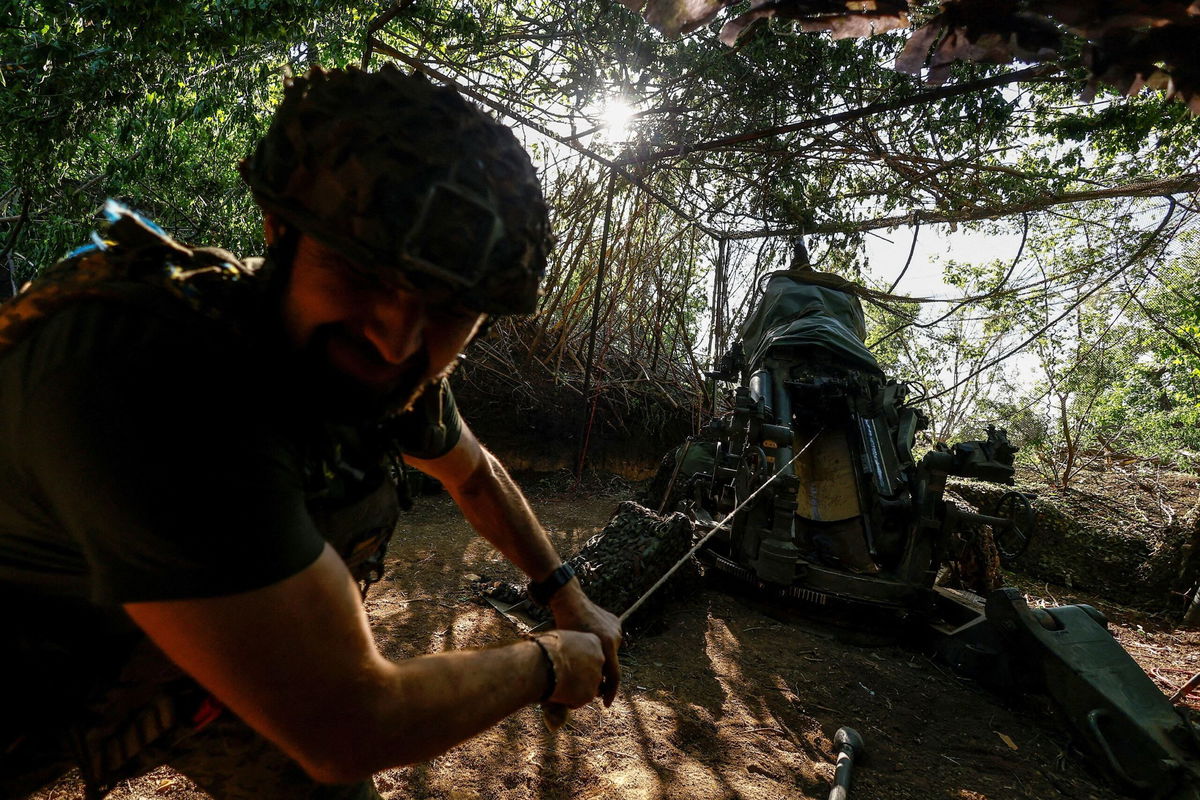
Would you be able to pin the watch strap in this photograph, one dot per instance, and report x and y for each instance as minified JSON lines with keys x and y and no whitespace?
{"x":542,"y":591}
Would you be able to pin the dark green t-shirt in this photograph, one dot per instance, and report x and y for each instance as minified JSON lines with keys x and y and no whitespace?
{"x":149,"y":458}
{"x":147,"y":453}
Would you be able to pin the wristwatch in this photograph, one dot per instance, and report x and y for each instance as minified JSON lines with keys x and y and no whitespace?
{"x":542,"y":591}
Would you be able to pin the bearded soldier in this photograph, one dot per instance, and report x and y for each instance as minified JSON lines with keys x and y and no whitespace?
{"x":199,"y":458}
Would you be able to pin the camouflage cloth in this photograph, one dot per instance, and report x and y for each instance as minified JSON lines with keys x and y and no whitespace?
{"x":620,"y":563}
{"x":807,"y":312}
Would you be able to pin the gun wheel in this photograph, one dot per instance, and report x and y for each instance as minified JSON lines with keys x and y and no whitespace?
{"x":1013,"y":538}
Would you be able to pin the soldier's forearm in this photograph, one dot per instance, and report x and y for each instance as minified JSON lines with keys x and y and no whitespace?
{"x":495,"y":506}
{"x":430,"y":704}
{"x":316,"y":685}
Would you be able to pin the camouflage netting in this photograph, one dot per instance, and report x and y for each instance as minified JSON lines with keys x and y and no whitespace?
{"x":1124,"y":537}
{"x":974,"y":561}
{"x":635,"y":549}
{"x":619,"y":564}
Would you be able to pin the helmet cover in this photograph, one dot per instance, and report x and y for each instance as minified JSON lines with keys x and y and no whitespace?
{"x":409,"y":181}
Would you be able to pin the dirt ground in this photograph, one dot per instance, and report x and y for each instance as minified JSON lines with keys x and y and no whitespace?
{"x":721,"y":698}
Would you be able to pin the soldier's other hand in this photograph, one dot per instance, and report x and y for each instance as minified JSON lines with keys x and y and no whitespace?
{"x":575,"y":612}
{"x":578,"y":664}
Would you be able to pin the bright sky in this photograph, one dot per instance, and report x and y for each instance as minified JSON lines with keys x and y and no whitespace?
{"x":935,"y":246}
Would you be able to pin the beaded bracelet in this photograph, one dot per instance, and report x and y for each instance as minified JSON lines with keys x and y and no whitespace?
{"x":552,"y":683}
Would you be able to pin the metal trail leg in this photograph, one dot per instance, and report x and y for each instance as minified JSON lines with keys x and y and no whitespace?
{"x":849,"y":745}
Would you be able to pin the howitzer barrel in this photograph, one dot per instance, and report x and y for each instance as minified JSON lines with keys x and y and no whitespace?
{"x":981,"y":519}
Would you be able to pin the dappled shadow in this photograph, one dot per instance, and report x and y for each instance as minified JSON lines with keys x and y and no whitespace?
{"x":722,"y":698}
{"x":688,"y":722}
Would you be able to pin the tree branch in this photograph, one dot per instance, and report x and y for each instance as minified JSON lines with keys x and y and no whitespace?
{"x":417,"y":64}
{"x":398,"y":7}
{"x":1164,"y":187}
{"x":942,"y":93}
{"x":1141,"y":251}
{"x":6,"y":254}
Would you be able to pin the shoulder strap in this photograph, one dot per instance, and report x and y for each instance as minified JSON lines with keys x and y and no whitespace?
{"x":134,"y":252}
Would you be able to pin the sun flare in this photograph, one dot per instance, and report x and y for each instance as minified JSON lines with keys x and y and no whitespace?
{"x":616,"y":118}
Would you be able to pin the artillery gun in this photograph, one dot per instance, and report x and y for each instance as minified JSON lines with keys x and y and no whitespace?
{"x":809,"y":490}
{"x":850,"y":515}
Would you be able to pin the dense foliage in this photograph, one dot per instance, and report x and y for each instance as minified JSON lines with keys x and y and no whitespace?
{"x":1087,"y":340}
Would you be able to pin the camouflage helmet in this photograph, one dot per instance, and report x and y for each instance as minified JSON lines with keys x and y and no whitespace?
{"x":408,"y":180}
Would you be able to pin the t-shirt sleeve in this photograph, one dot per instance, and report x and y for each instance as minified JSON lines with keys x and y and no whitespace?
{"x":172,"y":480}
{"x":432,"y":427}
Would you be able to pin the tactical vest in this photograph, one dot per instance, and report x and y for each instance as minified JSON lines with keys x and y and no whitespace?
{"x":352,"y":493}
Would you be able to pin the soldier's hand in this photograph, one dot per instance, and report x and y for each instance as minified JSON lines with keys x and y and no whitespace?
{"x":578,"y":664}
{"x":574,"y":611}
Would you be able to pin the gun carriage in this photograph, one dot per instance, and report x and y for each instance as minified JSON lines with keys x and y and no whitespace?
{"x":808,"y":489}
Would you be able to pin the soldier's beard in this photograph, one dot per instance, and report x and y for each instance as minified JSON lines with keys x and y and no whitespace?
{"x":342,"y":396}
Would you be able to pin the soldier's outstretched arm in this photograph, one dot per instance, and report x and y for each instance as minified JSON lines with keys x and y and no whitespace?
{"x":494,"y":505}
{"x":296,"y":661}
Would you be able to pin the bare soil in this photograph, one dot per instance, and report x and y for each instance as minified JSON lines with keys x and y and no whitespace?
{"x":723,"y":697}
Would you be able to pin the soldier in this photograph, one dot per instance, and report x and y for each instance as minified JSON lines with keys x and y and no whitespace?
{"x":198,"y":458}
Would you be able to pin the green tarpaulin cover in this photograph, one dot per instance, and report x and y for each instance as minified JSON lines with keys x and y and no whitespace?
{"x":794,"y":312}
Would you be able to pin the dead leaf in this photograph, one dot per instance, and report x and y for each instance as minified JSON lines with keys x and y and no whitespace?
{"x":675,"y":17}
{"x":1004,"y":737}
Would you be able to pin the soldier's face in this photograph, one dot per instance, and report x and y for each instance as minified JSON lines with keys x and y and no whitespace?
{"x":388,"y":342}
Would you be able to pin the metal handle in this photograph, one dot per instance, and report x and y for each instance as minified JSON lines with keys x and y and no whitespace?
{"x":849,"y":745}
{"x":1093,"y":718}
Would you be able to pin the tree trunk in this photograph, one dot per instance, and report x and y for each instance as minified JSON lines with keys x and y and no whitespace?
{"x":1189,"y":572}
{"x":9,"y":287}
